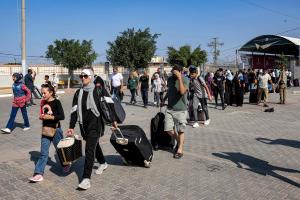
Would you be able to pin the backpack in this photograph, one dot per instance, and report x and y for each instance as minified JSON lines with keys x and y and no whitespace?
{"x":111,"y":109}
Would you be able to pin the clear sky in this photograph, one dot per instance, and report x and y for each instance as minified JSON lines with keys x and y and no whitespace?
{"x":180,"y":22}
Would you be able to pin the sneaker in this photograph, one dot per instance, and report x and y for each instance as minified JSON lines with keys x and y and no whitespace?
{"x":85,"y":184}
{"x":206,"y":122}
{"x":101,"y":168}
{"x":6,"y":130}
{"x":36,"y":178}
{"x":26,"y":128}
{"x":195,"y":125}
{"x":66,"y":168}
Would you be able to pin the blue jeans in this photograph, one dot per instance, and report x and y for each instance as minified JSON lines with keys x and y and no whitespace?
{"x":144,"y":93}
{"x":45,"y":145}
{"x":13,"y":113}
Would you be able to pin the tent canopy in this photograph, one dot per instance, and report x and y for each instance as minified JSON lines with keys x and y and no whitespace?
{"x":273,"y":44}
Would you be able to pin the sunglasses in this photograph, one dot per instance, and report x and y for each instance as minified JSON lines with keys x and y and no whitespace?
{"x":83,"y":76}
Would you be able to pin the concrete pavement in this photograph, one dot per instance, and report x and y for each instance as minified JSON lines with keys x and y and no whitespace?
{"x":244,"y":153}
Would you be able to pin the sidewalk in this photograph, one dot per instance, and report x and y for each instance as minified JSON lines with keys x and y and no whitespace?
{"x":244,"y":153}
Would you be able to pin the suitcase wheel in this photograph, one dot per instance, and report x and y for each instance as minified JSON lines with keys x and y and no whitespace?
{"x":147,"y":164}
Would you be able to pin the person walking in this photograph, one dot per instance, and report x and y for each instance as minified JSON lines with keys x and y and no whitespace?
{"x":132,"y":86}
{"x":199,"y":92}
{"x":144,"y":87}
{"x":219,"y":87}
{"x":263,"y":79}
{"x":116,"y":84}
{"x":51,"y":113}
{"x":229,"y":94}
{"x":28,"y":80}
{"x":282,"y":85}
{"x":176,"y":113}
{"x":21,"y":97}
{"x":239,"y":86}
{"x":86,"y":110}
{"x":157,"y":89}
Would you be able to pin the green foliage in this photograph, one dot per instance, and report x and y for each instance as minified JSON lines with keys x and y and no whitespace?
{"x":132,"y":49}
{"x":186,"y":57}
{"x":71,"y":53}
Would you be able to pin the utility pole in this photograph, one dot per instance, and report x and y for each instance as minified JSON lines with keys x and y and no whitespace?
{"x":216,"y":52}
{"x":24,"y":68}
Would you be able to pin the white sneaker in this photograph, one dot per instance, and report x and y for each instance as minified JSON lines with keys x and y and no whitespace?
{"x":26,"y":128}
{"x":206,"y":123}
{"x":6,"y":130}
{"x":85,"y":184}
{"x":101,"y":168}
{"x":195,"y":125}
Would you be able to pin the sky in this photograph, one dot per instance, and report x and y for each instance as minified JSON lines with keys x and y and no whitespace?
{"x":180,"y":22}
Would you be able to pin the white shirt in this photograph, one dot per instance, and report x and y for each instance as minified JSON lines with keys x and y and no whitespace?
{"x":116,"y":79}
{"x":54,"y":81}
{"x":263,"y":80}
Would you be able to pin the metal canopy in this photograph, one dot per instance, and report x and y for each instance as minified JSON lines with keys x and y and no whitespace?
{"x":273,"y":44}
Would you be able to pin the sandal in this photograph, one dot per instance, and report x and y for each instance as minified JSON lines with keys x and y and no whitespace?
{"x":178,"y":155}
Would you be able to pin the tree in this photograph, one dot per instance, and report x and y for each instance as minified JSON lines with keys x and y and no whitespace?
{"x":132,"y":49}
{"x":186,"y":57}
{"x":71,"y":54}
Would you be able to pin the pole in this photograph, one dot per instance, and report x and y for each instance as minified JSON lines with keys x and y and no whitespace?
{"x":24,"y":68}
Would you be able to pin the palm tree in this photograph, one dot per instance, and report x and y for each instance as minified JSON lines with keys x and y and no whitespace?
{"x":185,"y":57}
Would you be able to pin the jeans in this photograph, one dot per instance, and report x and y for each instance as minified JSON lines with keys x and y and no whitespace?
{"x":157,"y":97}
{"x":45,"y":145}
{"x":221,"y":92}
{"x":13,"y":113}
{"x":133,"y":93}
{"x":116,"y":93}
{"x":144,"y":93}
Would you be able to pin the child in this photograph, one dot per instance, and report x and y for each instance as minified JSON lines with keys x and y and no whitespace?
{"x":21,"y":96}
{"x":51,"y":113}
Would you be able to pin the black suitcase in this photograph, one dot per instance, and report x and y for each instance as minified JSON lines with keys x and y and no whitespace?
{"x":131,"y":143}
{"x":159,"y":138}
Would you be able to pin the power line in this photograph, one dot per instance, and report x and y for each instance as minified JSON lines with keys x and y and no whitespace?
{"x":270,"y":10}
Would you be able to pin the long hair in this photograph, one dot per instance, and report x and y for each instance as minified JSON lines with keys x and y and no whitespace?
{"x":50,"y":88}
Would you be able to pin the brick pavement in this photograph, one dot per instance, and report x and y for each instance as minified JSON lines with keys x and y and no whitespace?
{"x":244,"y":154}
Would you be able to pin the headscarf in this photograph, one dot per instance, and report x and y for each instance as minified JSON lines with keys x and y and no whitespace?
{"x":229,"y":76}
{"x":90,"y":104}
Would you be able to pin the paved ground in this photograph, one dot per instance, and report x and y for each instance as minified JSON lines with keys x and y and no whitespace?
{"x":244,"y":154}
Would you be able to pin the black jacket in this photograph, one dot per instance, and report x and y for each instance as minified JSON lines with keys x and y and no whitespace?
{"x":29,"y":82}
{"x":91,"y":123}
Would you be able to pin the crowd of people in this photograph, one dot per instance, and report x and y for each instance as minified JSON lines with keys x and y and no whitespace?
{"x":187,"y":93}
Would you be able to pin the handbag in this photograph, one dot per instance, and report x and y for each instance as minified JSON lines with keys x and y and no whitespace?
{"x":69,"y":149}
{"x":48,"y":131}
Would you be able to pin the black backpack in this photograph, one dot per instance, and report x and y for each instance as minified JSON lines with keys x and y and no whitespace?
{"x":111,"y":109}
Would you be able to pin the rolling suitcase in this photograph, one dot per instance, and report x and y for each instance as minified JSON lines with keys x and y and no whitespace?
{"x":131,"y":143}
{"x":159,"y":138}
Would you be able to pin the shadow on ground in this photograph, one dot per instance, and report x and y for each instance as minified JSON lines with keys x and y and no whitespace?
{"x":257,"y":165}
{"x":285,"y":142}
{"x":56,"y":167}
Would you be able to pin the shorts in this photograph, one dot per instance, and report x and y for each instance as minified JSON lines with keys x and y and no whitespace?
{"x":175,"y":118}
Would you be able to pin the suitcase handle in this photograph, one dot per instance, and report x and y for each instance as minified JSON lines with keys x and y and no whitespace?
{"x":120,"y":140}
